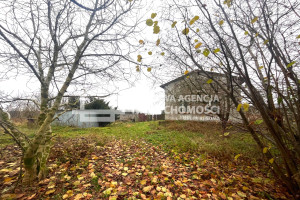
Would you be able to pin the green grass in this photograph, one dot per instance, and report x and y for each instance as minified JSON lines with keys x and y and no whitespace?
{"x":195,"y":137}
{"x":7,"y":140}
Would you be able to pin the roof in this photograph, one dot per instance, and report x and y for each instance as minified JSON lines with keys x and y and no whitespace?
{"x":189,"y":74}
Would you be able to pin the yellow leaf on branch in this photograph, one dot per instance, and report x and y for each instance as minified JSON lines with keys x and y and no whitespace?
{"x":227,"y":2}
{"x":174,"y":24}
{"x":291,"y":64}
{"x":156,"y":29}
{"x":254,"y":20}
{"x":209,"y":81}
{"x":198,"y":45}
{"x":153,"y":15}
{"x":206,"y":52}
{"x":157,"y":42}
{"x":149,"y":22}
{"x":185,"y":31}
{"x":194,"y":20}
{"x":217,"y":50}
{"x":246,"y":107}
{"x":266,"y":42}
{"x":139,"y":58}
{"x":239,"y":107}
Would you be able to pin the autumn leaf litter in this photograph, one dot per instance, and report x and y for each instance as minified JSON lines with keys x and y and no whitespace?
{"x":81,"y":169}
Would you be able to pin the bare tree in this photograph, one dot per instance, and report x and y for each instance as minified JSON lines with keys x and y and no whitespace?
{"x":60,"y":43}
{"x":258,"y":42}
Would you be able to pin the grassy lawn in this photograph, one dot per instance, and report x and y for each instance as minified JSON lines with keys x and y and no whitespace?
{"x":147,"y":160}
{"x":194,"y":137}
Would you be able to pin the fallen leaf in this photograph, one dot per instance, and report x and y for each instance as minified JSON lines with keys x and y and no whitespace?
{"x":241,"y":194}
{"x":143,"y":182}
{"x":50,"y":192}
{"x":108,"y":191}
{"x":237,"y":156}
{"x":265,"y":150}
{"x":78,"y":197}
{"x":76,"y":183}
{"x":147,"y":189}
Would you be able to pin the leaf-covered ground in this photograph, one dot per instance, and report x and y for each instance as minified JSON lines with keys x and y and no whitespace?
{"x":82,"y":168}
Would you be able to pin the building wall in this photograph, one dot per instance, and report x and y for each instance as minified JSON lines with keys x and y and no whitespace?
{"x":196,"y":84}
{"x":69,"y":119}
{"x":128,"y":117}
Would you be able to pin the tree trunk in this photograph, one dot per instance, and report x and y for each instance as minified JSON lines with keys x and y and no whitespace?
{"x":224,"y":125}
{"x":30,"y":166}
{"x":43,"y":154}
{"x":35,"y":162}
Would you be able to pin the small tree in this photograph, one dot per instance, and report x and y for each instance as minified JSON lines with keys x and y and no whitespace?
{"x":97,"y":104}
{"x":57,"y":43}
{"x":257,"y":41}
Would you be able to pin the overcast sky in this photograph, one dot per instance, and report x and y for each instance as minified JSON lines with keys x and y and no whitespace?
{"x":144,"y":95}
